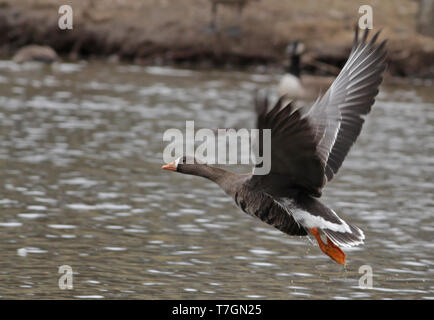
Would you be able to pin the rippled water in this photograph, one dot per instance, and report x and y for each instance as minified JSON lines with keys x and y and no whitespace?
{"x":80,"y":156}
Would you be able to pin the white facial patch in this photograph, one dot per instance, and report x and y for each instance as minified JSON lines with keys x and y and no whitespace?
{"x":177,"y":162}
{"x":300,"y":49}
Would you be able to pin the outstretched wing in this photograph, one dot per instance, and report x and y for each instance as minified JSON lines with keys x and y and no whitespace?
{"x":353,"y":93}
{"x":295,"y":161}
{"x":308,"y":147}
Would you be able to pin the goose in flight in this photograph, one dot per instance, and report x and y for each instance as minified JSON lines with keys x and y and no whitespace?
{"x":308,"y":146}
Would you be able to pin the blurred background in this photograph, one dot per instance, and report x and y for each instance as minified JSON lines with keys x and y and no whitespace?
{"x":82,"y":117}
{"x":204,"y":32}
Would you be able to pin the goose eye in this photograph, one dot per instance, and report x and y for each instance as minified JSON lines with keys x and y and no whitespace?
{"x":180,"y":160}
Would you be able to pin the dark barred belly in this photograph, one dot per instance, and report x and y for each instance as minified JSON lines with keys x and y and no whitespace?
{"x":264,"y":208}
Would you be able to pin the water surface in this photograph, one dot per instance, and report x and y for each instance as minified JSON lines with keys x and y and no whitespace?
{"x":80,"y":156}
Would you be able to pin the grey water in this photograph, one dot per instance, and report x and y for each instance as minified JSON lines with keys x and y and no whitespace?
{"x":80,"y":185}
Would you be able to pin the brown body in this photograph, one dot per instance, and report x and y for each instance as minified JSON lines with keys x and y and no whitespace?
{"x":308,"y":146}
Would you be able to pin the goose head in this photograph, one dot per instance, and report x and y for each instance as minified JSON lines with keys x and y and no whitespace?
{"x":184,"y":164}
{"x":193,"y":166}
{"x":295,"y":48}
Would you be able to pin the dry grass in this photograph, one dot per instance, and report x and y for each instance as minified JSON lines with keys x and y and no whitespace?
{"x":268,"y":25}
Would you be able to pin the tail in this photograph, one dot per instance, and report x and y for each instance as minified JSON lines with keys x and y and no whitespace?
{"x":314,"y":214}
{"x":315,"y":217}
{"x":345,"y":239}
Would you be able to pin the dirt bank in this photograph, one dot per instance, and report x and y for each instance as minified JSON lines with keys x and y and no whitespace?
{"x":175,"y":32}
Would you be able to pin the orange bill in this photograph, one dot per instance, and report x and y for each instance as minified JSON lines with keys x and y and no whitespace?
{"x":171,"y":166}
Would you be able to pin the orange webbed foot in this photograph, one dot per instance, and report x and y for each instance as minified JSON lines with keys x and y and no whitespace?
{"x":329,"y":248}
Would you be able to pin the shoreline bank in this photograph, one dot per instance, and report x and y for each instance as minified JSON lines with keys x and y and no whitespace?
{"x":133,"y":33}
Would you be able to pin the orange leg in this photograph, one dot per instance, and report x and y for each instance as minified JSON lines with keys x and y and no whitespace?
{"x":329,"y":248}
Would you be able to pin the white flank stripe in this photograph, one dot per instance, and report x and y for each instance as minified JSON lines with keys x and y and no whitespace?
{"x":310,"y":221}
